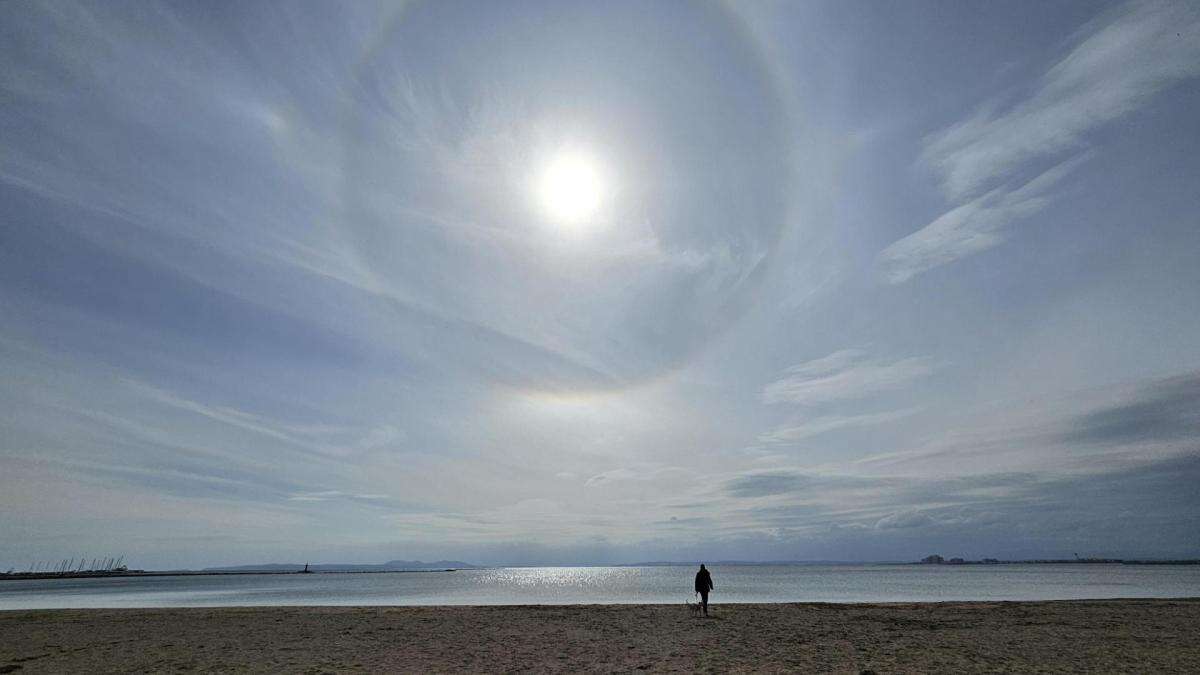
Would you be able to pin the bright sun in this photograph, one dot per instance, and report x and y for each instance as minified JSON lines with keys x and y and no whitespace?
{"x":570,"y":188}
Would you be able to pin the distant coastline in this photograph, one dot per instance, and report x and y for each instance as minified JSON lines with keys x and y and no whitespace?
{"x":939,"y":560}
{"x":390,"y":567}
{"x":9,"y":576}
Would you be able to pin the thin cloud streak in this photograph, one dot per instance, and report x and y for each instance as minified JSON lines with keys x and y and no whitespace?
{"x":972,"y":227}
{"x":815,"y":426}
{"x":1123,"y":60}
{"x":843,"y":375}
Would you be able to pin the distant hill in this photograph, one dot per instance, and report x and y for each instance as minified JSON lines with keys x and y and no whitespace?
{"x":389,"y":566}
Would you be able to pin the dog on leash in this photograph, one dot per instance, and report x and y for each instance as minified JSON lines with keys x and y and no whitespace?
{"x":693,"y":606}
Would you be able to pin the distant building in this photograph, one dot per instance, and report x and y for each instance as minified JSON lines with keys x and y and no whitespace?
{"x":957,"y":561}
{"x":934,"y":559}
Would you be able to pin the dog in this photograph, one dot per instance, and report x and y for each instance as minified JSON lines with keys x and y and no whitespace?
{"x":693,"y":606}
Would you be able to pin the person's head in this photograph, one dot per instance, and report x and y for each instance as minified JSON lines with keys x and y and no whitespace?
{"x":701,"y":565}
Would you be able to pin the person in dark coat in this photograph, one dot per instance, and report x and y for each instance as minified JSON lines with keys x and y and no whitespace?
{"x":704,"y":584}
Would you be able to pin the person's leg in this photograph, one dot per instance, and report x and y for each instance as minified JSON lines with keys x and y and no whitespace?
{"x":704,"y":601}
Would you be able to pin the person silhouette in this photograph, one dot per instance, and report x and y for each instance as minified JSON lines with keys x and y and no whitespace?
{"x":704,"y":584}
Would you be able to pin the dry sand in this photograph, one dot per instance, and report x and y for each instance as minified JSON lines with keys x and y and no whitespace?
{"x":1106,"y":636}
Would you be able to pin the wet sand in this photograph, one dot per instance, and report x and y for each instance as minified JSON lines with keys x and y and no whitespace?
{"x":1108,"y":636}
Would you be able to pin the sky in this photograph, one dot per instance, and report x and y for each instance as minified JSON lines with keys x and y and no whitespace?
{"x":309,"y":281}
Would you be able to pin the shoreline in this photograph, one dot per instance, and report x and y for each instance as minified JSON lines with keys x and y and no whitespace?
{"x":1103,"y":635}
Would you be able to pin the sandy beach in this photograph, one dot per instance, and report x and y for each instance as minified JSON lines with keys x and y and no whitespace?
{"x":1117,"y":635}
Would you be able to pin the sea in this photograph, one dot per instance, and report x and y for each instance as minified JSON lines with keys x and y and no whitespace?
{"x":617,"y":585}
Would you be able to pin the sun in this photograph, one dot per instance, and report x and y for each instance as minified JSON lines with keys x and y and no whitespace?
{"x":570,"y":188}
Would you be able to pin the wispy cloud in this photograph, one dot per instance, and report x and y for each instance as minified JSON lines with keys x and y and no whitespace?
{"x":641,"y":473}
{"x":904,"y":519}
{"x":766,"y":483}
{"x":333,"y":495}
{"x":1119,"y":62}
{"x":822,"y":424}
{"x":843,"y":375}
{"x":970,"y":228}
{"x":789,"y":481}
{"x":326,"y":439}
{"x":1122,"y":60}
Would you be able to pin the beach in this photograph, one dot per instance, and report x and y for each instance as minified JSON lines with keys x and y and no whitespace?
{"x":1100,"y":635}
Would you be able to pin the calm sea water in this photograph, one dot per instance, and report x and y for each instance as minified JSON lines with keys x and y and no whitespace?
{"x":584,"y":585}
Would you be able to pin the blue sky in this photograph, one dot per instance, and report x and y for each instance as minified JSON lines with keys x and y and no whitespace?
{"x":861,"y":281}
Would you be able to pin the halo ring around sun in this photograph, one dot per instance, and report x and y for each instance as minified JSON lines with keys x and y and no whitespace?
{"x":569,"y":187}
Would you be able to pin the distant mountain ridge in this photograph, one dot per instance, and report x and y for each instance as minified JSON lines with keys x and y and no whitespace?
{"x":389,"y":566}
